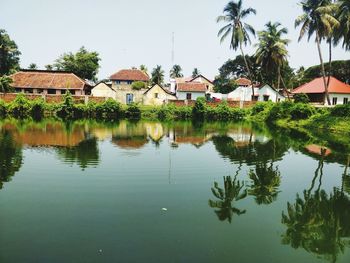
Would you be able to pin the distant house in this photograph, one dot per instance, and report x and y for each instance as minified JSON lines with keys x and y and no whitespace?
{"x":103,"y":89}
{"x":263,"y":93}
{"x":157,"y":95}
{"x":243,"y":82}
{"x":339,"y":92}
{"x":201,"y":79}
{"x":122,"y":83}
{"x":190,"y":90}
{"x":49,"y":82}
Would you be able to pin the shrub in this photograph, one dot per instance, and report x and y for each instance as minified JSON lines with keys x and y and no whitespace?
{"x":138,"y":85}
{"x":279,"y":111}
{"x":2,"y":108}
{"x":133,"y":111}
{"x":301,"y":111}
{"x":199,"y":108}
{"x":183,"y":113}
{"x":109,"y":109}
{"x":301,"y":98}
{"x":20,"y":107}
{"x":79,"y":111}
{"x":166,"y":112}
{"x":341,"y":111}
{"x":38,"y":108}
{"x":260,"y":107}
{"x":66,"y":108}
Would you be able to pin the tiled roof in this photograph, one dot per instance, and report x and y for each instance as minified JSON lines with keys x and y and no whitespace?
{"x":317,"y":86}
{"x":130,"y":74}
{"x":243,"y":82}
{"x":47,"y":80}
{"x":192,"y":86}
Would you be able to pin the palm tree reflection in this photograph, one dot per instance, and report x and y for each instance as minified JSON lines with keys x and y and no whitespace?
{"x":232,"y":191}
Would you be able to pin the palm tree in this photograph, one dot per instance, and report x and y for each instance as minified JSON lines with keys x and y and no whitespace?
{"x":272,"y":49}
{"x":5,"y":83}
{"x":144,"y":69}
{"x":32,"y":66}
{"x":344,"y":19}
{"x":318,"y":19}
{"x":157,"y":75}
{"x":237,"y":30}
{"x":195,"y":72}
{"x":232,"y":191}
{"x":175,"y":72}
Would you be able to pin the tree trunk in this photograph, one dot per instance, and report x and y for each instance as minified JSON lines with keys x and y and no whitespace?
{"x":330,"y":62}
{"x":278,"y":81}
{"x":248,"y":70}
{"x":285,"y":88}
{"x":318,"y":41}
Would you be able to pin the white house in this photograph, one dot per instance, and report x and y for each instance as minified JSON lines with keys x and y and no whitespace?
{"x":103,"y":89}
{"x":190,"y":90}
{"x":267,"y":93}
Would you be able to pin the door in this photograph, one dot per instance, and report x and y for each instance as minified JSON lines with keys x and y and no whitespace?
{"x":129,"y":98}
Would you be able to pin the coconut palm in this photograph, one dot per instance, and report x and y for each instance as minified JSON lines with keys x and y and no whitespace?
{"x":232,"y":191}
{"x":144,"y":69}
{"x":195,"y":72}
{"x":318,"y":18}
{"x":5,"y":83}
{"x":344,"y":19}
{"x":157,"y":75}
{"x":237,"y":30}
{"x":32,"y":66}
{"x":175,"y":72}
{"x":272,"y":49}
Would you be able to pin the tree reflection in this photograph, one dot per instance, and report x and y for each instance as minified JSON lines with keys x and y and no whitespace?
{"x":231,"y":192}
{"x":266,"y":181}
{"x":10,"y":157}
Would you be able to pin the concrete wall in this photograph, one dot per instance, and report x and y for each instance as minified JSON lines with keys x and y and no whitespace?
{"x":122,"y":91}
{"x":272,"y":94}
{"x":181,"y":95}
{"x":242,"y":94}
{"x":102,"y":90}
{"x":162,"y":97}
{"x":340,"y":98}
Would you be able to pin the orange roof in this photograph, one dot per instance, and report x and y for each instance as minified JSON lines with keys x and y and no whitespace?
{"x":317,"y":86}
{"x":47,"y":80}
{"x":192,"y":86}
{"x":316,"y":149}
{"x":243,"y":82}
{"x":130,"y":74}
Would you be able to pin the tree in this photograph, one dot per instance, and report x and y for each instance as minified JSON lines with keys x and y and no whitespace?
{"x":48,"y":67}
{"x":195,"y":72}
{"x":84,"y":64}
{"x":318,"y":19}
{"x":272,"y":52}
{"x":176,"y":72}
{"x":157,"y":75}
{"x":144,"y":69}
{"x":32,"y":66}
{"x":344,"y":19}
{"x":237,"y":30}
{"x":9,"y":54}
{"x":224,"y":85}
{"x":5,"y":84}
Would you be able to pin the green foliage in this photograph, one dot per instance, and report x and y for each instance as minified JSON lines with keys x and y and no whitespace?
{"x":199,"y":108}
{"x":84,"y":64}
{"x":2,"y":108}
{"x":225,"y":113}
{"x":9,"y":54}
{"x":157,"y":75}
{"x":301,"y":98}
{"x":66,"y":108}
{"x":279,"y":111}
{"x":20,"y":107}
{"x":5,"y":84}
{"x":133,"y":111}
{"x":341,"y":111}
{"x":176,"y":72}
{"x":138,"y":85}
{"x":110,"y":109}
{"x":301,"y":111}
{"x":37,"y":108}
{"x":224,"y":85}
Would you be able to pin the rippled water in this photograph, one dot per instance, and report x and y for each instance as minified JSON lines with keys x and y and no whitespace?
{"x":170,"y":192}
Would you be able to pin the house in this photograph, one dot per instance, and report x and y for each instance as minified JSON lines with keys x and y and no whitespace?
{"x":201,"y":79}
{"x":339,"y":92}
{"x":268,"y":93}
{"x":190,"y":90}
{"x":49,"y":82}
{"x":157,"y":95}
{"x":103,"y":89}
{"x":122,"y":83}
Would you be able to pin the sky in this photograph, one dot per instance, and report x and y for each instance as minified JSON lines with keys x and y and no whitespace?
{"x":129,"y":33}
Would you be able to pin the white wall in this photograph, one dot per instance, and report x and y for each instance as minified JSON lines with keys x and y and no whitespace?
{"x":273,"y":95}
{"x":242,"y":94}
{"x":340,"y":98}
{"x":102,"y":90}
{"x":181,"y":95}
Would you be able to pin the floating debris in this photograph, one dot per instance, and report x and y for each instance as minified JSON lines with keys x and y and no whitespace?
{"x":164,"y":209}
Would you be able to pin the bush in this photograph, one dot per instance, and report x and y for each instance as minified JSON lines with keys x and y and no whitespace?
{"x":183,"y":113}
{"x":38,"y":108}
{"x":199,"y":108}
{"x":301,"y":98}
{"x":166,"y":112}
{"x":279,"y":111}
{"x":260,"y":107}
{"x":133,"y":111}
{"x":66,"y":108}
{"x":79,"y":111}
{"x":2,"y":108}
{"x":20,"y":107}
{"x":341,"y":111}
{"x":110,"y":109}
{"x":138,"y":85}
{"x":301,"y":111}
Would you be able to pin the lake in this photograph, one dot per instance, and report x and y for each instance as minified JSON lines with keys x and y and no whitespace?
{"x":170,"y":192}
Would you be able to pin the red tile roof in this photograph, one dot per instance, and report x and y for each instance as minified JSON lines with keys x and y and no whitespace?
{"x":47,"y":80}
{"x":130,"y":74}
{"x":243,"y":82}
{"x":192,"y":86}
{"x":317,"y":86}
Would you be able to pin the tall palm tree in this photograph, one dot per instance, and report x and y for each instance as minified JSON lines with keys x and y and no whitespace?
{"x":157,"y":75}
{"x":5,"y":83}
{"x":195,"y":72}
{"x":318,"y":19}
{"x":176,"y":72}
{"x":344,"y":19}
{"x":237,"y":30}
{"x":272,"y":49}
{"x":144,"y":69}
{"x":32,"y":66}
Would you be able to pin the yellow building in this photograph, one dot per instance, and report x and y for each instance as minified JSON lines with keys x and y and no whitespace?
{"x":157,"y":96}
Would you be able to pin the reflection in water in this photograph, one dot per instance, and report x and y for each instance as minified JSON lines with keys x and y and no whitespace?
{"x":265,"y":183}
{"x":232,"y":191}
{"x":10,"y":157}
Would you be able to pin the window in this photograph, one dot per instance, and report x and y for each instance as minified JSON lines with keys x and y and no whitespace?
{"x":129,"y":98}
{"x":188,"y":96}
{"x":266,"y":97}
{"x":335,"y":100}
{"x":345,"y":101}
{"x":51,"y":91}
{"x":156,"y":95}
{"x":63,"y":91}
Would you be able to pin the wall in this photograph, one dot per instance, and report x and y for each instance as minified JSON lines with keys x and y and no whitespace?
{"x":242,"y":94}
{"x":102,"y":90}
{"x":163,"y":97}
{"x":273,"y":95}
{"x":340,"y":98}
{"x":181,"y":95}
{"x":123,"y":90}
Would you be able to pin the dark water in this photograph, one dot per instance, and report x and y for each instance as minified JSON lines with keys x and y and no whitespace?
{"x":180,"y":192}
